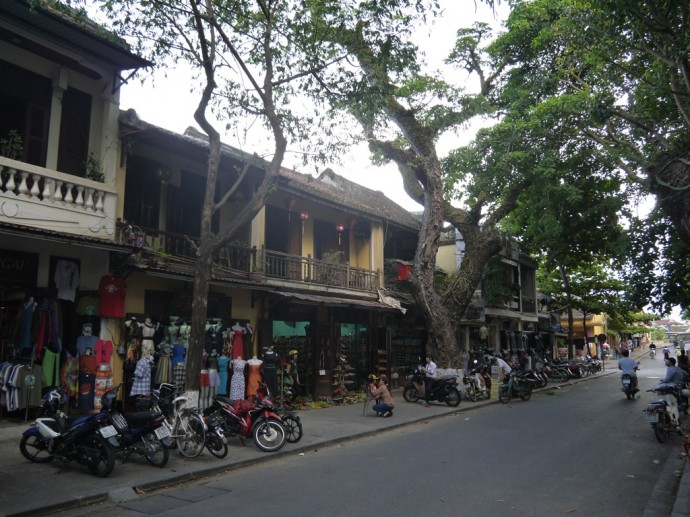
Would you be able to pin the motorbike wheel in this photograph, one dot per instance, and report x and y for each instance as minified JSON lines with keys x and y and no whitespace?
{"x":269,"y":435}
{"x":190,"y":435}
{"x":526,"y":392}
{"x":33,"y":448}
{"x":453,"y":397}
{"x":216,"y":445}
{"x":98,"y":457}
{"x":503,"y":394}
{"x":472,"y":393}
{"x":561,"y":375}
{"x":156,"y":454}
{"x":543,"y":380}
{"x":660,"y":429}
{"x":410,"y":394}
{"x":293,"y":428}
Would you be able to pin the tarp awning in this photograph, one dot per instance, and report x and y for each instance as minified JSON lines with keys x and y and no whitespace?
{"x":333,"y":301}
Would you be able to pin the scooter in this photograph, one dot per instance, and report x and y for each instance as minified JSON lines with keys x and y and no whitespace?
{"x":652,"y":352}
{"x":515,"y":385}
{"x":57,"y":436}
{"x":141,"y":432}
{"x":664,"y":414}
{"x":444,"y":389}
{"x":256,"y":419}
{"x":475,"y":386}
{"x":628,"y":386}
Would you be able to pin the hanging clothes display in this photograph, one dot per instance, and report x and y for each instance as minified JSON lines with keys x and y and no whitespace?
{"x":66,"y":279}
{"x":142,"y":377}
{"x":254,"y":376}
{"x":164,"y":366}
{"x":237,"y":341}
{"x":111,"y":291}
{"x":270,"y":370}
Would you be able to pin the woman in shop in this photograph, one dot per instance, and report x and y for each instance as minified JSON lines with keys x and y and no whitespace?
{"x":293,"y":373}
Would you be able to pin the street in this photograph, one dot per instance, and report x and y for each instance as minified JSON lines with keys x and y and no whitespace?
{"x":582,"y":450}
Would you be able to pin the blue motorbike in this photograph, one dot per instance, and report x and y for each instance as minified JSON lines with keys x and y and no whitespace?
{"x":54,"y":435}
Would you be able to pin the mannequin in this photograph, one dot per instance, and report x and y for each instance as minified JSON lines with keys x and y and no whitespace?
{"x":147,"y":331}
{"x":238,"y":340}
{"x":185,"y":331}
{"x":270,"y":377}
{"x":237,"y":383}
{"x":254,"y":376}
{"x":173,"y":333}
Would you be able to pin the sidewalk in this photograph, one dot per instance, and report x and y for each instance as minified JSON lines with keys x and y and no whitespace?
{"x":35,"y":489}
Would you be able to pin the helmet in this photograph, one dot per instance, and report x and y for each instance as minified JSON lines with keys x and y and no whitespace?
{"x":373,"y":377}
{"x":292,"y":352}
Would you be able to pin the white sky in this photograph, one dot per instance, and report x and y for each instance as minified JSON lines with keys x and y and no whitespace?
{"x":167,"y":101}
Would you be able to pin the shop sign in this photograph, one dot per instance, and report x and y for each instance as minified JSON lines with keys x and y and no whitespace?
{"x":18,"y":268}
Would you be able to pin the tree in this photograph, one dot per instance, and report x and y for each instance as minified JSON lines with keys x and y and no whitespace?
{"x":240,"y":52}
{"x":618,"y":74}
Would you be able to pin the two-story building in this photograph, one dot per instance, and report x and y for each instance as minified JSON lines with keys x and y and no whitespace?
{"x":100,"y":215}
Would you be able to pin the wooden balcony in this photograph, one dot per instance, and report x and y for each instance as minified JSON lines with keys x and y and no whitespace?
{"x":41,"y":198}
{"x":176,"y":252}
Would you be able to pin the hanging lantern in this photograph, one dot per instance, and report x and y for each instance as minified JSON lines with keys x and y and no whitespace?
{"x":303,"y":215}
{"x":340,"y":228}
{"x":289,"y":204}
{"x":351,"y":223}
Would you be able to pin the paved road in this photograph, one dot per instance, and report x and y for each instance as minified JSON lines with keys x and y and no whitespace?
{"x":581,"y":450}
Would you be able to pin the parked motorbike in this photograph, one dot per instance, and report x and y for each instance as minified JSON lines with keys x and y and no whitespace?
{"x":215,"y":442}
{"x":475,"y":385}
{"x":444,"y":389}
{"x":515,"y":385}
{"x":55,"y":435}
{"x":664,"y":414}
{"x":141,"y":432}
{"x":252,"y":418}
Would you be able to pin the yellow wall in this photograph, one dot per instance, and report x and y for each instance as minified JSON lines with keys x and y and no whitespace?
{"x":377,"y":243}
{"x":445,"y":258}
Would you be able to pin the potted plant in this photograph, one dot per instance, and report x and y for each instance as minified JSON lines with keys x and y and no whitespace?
{"x":11,"y":147}
{"x":93,"y":168}
{"x":258,"y":272}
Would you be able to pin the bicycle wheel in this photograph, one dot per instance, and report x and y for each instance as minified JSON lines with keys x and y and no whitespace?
{"x":190,"y":434}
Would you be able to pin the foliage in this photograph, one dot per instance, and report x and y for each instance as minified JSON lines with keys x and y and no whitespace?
{"x":12,"y":146}
{"x":93,"y":168}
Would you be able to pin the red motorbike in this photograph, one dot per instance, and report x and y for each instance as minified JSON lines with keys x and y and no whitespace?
{"x":255,"y":418}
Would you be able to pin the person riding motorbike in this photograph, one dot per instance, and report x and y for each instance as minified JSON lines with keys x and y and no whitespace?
{"x":652,"y":349}
{"x":667,"y":352}
{"x":629,"y":366}
{"x":674,"y":374}
{"x":430,"y":372}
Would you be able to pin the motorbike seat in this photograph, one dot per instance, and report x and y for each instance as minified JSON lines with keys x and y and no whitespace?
{"x":140,"y":417}
{"x":445,"y":378}
{"x":224,"y":400}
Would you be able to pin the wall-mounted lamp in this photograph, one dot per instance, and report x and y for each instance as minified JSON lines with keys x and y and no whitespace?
{"x":164,"y":174}
{"x":303,"y":215}
{"x":340,"y":228}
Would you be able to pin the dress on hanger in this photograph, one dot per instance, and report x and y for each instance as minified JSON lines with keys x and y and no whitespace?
{"x":254,"y":376}
{"x":178,"y":353}
{"x":223,"y":363}
{"x":238,"y":341}
{"x":164,"y":367}
{"x":270,"y":371}
{"x":237,"y":384}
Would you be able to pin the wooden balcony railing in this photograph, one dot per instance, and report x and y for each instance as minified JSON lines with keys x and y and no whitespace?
{"x":181,"y":249}
{"x":308,"y":269}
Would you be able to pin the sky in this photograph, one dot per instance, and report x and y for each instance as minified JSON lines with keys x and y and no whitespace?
{"x":165,"y":100}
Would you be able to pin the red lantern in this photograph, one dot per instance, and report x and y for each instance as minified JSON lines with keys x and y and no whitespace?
{"x":289,"y":204}
{"x":340,"y":228}
{"x":303,"y":215}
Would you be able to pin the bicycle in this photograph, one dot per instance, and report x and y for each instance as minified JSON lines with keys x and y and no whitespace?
{"x":186,"y":425}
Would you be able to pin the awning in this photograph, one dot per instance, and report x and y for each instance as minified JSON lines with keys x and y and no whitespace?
{"x":332,"y":301}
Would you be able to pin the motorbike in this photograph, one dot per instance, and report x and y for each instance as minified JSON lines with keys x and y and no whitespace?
{"x":55,"y":435}
{"x":652,"y":352}
{"x":515,"y":385}
{"x":215,"y":441}
{"x":141,"y":432}
{"x":256,"y":418}
{"x":444,"y":389}
{"x":475,"y":385}
{"x":664,"y":414}
{"x":628,"y":386}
